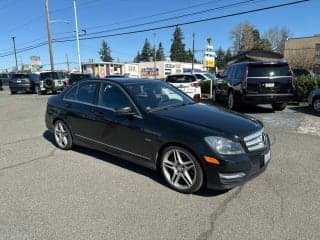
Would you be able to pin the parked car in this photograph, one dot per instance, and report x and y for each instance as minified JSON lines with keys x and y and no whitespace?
{"x":256,"y":83}
{"x":301,"y":72}
{"x":24,"y":82}
{"x":75,"y":77}
{"x":4,"y":79}
{"x":187,"y":83}
{"x":153,"y":124}
{"x":52,"y":81}
{"x":314,"y":100}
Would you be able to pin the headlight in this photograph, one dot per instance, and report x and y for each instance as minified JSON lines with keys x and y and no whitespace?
{"x":224,"y":146}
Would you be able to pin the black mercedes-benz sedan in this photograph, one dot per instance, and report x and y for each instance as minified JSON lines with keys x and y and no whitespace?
{"x":153,"y":124}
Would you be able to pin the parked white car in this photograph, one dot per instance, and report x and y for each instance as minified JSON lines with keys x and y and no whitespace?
{"x":187,"y":83}
{"x":314,"y":100}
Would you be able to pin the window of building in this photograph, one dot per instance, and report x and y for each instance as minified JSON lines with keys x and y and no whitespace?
{"x":318,"y":49}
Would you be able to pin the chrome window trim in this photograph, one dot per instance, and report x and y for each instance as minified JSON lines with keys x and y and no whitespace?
{"x":110,"y":146}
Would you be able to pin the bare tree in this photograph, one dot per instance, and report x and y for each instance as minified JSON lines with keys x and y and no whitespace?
{"x":300,"y":58}
{"x":277,"y":37}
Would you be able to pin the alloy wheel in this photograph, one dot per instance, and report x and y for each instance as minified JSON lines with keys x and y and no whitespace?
{"x":316,"y":105}
{"x":62,"y":135}
{"x":181,"y":170}
{"x":230,"y":100}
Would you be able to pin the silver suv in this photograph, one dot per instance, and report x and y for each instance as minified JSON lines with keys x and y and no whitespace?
{"x":52,"y":81}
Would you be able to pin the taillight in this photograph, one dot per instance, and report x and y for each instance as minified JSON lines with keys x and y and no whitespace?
{"x":195,"y":84}
{"x":245,"y":79}
{"x":68,"y":83}
{"x":197,"y":98}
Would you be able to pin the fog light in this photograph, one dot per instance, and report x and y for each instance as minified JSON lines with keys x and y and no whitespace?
{"x":230,"y":176}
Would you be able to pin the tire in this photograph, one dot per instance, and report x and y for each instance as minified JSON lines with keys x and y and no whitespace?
{"x":230,"y":101}
{"x":181,"y":170}
{"x":316,"y":104}
{"x":37,"y":89}
{"x":279,"y":106}
{"x":13,"y":92}
{"x":213,"y":95}
{"x":62,"y":135}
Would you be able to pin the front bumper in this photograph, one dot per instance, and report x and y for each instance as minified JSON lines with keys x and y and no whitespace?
{"x":237,"y":169}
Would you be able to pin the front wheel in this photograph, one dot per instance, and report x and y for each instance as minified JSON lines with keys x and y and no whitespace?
{"x":230,"y":103}
{"x":181,"y":170}
{"x":316,"y":104}
{"x":62,"y":135}
{"x":279,"y":106}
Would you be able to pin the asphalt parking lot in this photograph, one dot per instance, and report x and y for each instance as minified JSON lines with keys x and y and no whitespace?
{"x":46,"y":193}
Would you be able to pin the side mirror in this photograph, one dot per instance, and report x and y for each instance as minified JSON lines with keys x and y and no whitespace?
{"x":125,"y":111}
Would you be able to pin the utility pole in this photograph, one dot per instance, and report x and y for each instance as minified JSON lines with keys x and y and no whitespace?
{"x":68,"y":65}
{"x":77,"y":34}
{"x":15,"y":52}
{"x":154,"y":56}
{"x":49,"y":35}
{"x":192,"y":68}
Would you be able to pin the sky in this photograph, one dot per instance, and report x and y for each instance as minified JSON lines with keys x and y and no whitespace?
{"x":112,"y":20}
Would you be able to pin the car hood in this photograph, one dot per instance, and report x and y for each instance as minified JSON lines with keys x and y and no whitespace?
{"x":213,"y":118}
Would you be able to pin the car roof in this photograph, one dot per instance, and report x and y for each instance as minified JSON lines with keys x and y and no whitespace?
{"x":127,"y":81}
{"x":259,"y":62}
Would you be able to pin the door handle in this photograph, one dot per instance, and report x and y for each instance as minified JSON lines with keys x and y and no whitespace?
{"x":67,"y":105}
{"x":98,"y":113}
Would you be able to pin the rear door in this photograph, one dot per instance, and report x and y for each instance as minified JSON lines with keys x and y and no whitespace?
{"x":269,"y":78}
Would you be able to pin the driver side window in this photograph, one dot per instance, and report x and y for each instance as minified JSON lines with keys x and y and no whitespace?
{"x":113,"y":97}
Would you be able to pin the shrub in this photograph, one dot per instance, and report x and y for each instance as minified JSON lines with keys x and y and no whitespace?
{"x":205,"y":86}
{"x":304,"y":85}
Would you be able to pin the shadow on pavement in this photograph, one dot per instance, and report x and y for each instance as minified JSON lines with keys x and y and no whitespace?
{"x":154,"y":175}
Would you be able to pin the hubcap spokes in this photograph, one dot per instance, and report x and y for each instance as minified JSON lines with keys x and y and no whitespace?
{"x":61,"y":135}
{"x":179,"y":169}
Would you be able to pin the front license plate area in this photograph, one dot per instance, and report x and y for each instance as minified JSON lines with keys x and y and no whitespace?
{"x":269,"y":85}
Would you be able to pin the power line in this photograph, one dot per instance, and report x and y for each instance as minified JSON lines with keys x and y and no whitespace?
{"x":190,"y":22}
{"x":164,"y":27}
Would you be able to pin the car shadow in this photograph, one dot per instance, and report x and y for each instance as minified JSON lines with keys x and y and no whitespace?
{"x":153,"y":175}
{"x":305,"y":110}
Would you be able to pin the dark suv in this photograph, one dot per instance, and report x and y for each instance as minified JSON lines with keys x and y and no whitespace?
{"x":24,"y":82}
{"x":4,"y":79}
{"x":256,"y":83}
{"x":75,"y":77}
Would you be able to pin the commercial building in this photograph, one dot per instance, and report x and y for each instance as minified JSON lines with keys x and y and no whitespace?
{"x":102,"y":69}
{"x":304,"y":52}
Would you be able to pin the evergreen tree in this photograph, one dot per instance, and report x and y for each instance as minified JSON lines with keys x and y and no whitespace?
{"x":105,"y":52}
{"x":227,"y":56}
{"x":160,"y":53}
{"x":177,"y":50}
{"x":137,"y":58}
{"x":220,"y":58}
{"x":146,"y":54}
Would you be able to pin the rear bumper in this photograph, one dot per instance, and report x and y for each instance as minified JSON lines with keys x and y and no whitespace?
{"x":21,"y":87}
{"x":267,"y":98}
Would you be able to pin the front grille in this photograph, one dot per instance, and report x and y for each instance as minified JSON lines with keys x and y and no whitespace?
{"x":256,"y":141}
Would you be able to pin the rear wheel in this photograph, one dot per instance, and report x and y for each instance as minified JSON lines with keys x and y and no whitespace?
{"x":279,"y":106}
{"x":316,"y":104}
{"x":231,"y":104}
{"x":13,"y":92}
{"x":62,"y":135}
{"x":181,"y":169}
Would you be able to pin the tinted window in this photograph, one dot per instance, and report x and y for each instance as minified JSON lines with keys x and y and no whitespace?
{"x":181,"y":79}
{"x":19,"y":76}
{"x":52,"y":75}
{"x":85,"y":92}
{"x":78,"y":77}
{"x":268,"y":70}
{"x":72,"y":94}
{"x":34,"y":77}
{"x":199,"y":76}
{"x":239,"y":71}
{"x":113,"y":97}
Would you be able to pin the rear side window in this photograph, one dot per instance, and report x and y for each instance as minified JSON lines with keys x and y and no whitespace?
{"x":83,"y":93}
{"x":181,"y":79}
{"x":268,"y":70}
{"x":20,"y":76}
{"x":34,"y":77}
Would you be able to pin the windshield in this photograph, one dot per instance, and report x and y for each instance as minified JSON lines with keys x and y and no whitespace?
{"x":154,"y":95}
{"x":19,"y":76}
